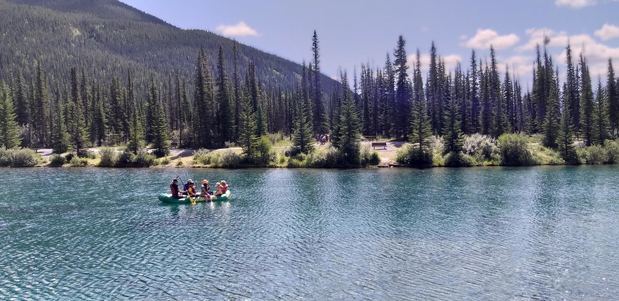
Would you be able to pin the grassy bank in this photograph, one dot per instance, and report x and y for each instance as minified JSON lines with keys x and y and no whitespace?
{"x":477,"y":150}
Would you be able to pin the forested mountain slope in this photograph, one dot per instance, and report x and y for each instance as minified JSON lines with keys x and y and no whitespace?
{"x":107,"y":37}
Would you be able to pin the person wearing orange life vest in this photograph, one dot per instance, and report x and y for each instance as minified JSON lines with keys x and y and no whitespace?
{"x":191,"y":189}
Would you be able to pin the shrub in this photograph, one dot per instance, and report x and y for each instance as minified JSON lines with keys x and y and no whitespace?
{"x":57,"y":161}
{"x":594,"y":155}
{"x":143,"y":159}
{"x":202,"y":156}
{"x":329,"y":158}
{"x":78,"y":162}
{"x":482,"y":148}
{"x":125,"y":159}
{"x":368,"y":157}
{"x":437,"y":144}
{"x":514,"y":151}
{"x":263,"y":152}
{"x":414,"y":157}
{"x":109,"y":157}
{"x":612,"y":149}
{"x":229,"y":159}
{"x":5,"y":157}
{"x":164,"y":161}
{"x":458,"y":159}
{"x":23,"y":157}
{"x":84,"y":153}
{"x":179,"y":163}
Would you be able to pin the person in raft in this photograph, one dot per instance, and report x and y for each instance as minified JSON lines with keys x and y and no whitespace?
{"x":191,"y":189}
{"x":206,"y":190}
{"x":221,"y":188}
{"x":176,"y":193}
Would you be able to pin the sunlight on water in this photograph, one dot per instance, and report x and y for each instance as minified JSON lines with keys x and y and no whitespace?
{"x":531,"y":233}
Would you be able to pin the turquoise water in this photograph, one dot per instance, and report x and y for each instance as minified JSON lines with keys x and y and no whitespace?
{"x":495,"y":233}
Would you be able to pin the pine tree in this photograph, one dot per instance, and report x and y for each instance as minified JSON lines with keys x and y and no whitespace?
{"x":136,"y":136}
{"x":612,"y":98}
{"x":600,"y":117}
{"x":248,"y":139}
{"x":224,"y":115}
{"x":319,"y":115}
{"x":499,"y":120}
{"x":160,"y":142}
{"x":453,"y":135}
{"x":60,"y":136}
{"x":98,"y":126}
{"x":75,"y":115}
{"x":586,"y":103}
{"x":572,"y":99}
{"x":40,"y":105}
{"x":203,"y":103}
{"x":237,"y":91}
{"x":565,"y":140}
{"x":402,"y":94}
{"x":255,"y":95}
{"x":474,"y":95}
{"x":420,"y":127}
{"x":553,"y":116}
{"x":22,"y":105}
{"x":9,"y":129}
{"x":302,"y":130}
{"x":349,"y":130}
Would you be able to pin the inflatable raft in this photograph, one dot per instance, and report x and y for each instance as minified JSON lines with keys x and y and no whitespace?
{"x":168,"y":199}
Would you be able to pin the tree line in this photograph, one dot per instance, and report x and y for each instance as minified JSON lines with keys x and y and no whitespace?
{"x":221,"y":106}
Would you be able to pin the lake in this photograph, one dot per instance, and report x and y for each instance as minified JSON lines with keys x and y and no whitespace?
{"x":475,"y":234}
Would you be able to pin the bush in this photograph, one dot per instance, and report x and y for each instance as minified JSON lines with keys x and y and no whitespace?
{"x":202,"y":156}
{"x":125,"y":159}
{"x":612,"y":149}
{"x":514,"y":151}
{"x":69,"y":157}
{"x":263,"y":152}
{"x":57,"y":161}
{"x":368,"y":157}
{"x":482,"y":148}
{"x":414,"y":157}
{"x":5,"y":157}
{"x":109,"y":157}
{"x":78,"y":162}
{"x":131,"y":160}
{"x":84,"y":153}
{"x":594,"y":155}
{"x":458,"y":159}
{"x":143,"y":159}
{"x":179,"y":163}
{"x":229,"y":159}
{"x":18,"y":157}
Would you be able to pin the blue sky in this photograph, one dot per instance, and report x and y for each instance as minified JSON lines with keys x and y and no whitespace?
{"x":355,"y":32}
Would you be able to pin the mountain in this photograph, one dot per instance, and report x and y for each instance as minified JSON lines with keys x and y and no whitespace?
{"x":108,"y":37}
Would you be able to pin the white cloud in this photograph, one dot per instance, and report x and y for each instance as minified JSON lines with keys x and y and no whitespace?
{"x":607,"y":32}
{"x":554,"y":39}
{"x":593,"y":50}
{"x":240,"y":29}
{"x":484,"y":38}
{"x":575,"y":3}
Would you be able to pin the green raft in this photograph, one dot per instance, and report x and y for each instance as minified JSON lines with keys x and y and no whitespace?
{"x":168,"y":199}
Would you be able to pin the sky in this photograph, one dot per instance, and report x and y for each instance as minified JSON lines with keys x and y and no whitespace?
{"x":352,"y":32}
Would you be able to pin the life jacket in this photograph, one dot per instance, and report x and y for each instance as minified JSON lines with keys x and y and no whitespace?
{"x":191,"y":190}
{"x":206,"y":188}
